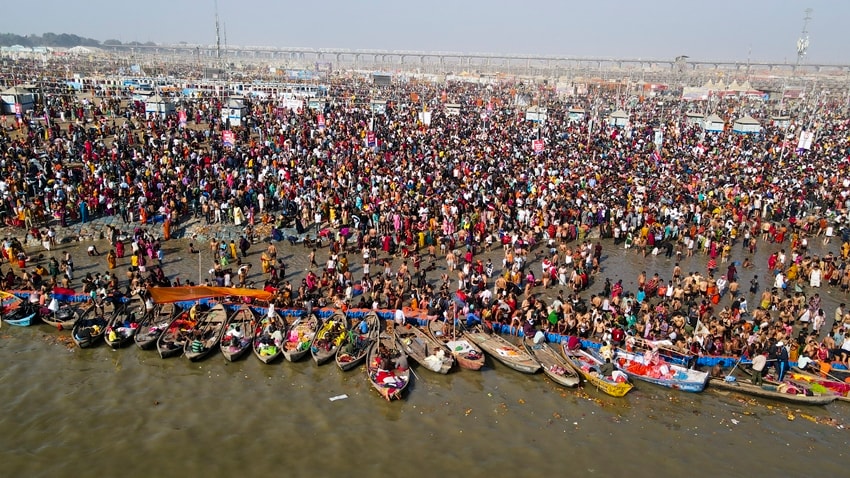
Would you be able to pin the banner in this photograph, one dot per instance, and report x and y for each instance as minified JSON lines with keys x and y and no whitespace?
{"x":536,"y":114}
{"x":659,"y":139}
{"x":320,"y":120}
{"x":379,"y":107}
{"x":806,"y":138}
{"x":181,"y":117}
{"x":371,"y":141}
{"x":537,"y":146}
{"x":425,"y":118}
{"x":315,"y":103}
{"x":293,"y":104}
{"x":18,"y":110}
{"x":228,"y":138}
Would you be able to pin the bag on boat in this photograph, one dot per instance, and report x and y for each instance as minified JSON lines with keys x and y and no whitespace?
{"x":434,"y":362}
{"x":539,"y":337}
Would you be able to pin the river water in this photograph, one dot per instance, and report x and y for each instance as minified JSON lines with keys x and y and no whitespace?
{"x":72,"y":412}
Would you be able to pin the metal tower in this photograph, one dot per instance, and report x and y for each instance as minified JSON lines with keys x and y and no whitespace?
{"x":217,"y":35}
{"x":803,"y":41}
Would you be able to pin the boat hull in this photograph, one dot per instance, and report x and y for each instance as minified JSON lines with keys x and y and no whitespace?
{"x":503,"y":351}
{"x":756,"y":391}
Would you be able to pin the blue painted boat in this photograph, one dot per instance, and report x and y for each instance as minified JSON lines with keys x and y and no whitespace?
{"x":23,"y":316}
{"x":651,"y":368}
{"x":16,"y":311}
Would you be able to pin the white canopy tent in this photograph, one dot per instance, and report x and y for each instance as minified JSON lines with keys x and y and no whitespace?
{"x":713,"y":123}
{"x":17,"y":95}
{"x":618,"y":118}
{"x":746,"y":124}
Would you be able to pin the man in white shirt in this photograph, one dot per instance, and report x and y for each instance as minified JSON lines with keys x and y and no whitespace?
{"x":486,"y":295}
{"x":759,"y":362}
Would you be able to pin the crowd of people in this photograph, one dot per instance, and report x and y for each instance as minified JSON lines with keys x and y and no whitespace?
{"x":394,"y":197}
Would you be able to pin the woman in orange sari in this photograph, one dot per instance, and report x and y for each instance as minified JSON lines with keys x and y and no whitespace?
{"x":166,"y":229}
{"x":111,"y":259}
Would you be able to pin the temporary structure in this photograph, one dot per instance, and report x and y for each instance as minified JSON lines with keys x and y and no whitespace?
{"x":576,"y":114}
{"x":234,"y":111}
{"x":17,"y":95}
{"x":781,"y":121}
{"x":746,"y":124}
{"x":618,"y":118}
{"x":694,"y":119}
{"x":713,"y":123}
{"x":156,"y":105}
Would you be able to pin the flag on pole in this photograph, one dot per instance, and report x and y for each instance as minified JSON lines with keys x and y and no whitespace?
{"x":656,"y":156}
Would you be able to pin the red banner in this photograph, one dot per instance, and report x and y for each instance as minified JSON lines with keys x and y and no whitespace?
{"x":228,"y":138}
{"x":537,"y":146}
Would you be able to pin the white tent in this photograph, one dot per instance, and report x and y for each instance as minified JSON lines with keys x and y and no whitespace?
{"x":576,"y":114}
{"x":82,"y":50}
{"x":618,"y":118}
{"x":16,"y":95}
{"x":713,"y":123}
{"x":746,"y":124}
{"x":781,"y":121}
{"x":156,"y":105}
{"x":694,"y":119}
{"x":537,"y":114}
{"x":234,"y":111}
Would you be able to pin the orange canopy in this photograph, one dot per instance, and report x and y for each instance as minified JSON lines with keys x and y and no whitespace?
{"x":164,"y":295}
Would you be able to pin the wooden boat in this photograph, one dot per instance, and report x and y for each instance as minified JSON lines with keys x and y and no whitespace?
{"x":154,"y":323}
{"x":125,"y":322}
{"x":91,"y":326}
{"x":502,"y":350}
{"x":770,"y":391}
{"x":588,"y":365}
{"x":207,"y":333}
{"x":63,"y":318}
{"x":830,"y":385}
{"x":268,"y":337}
{"x":16,"y":311}
{"x":832,"y":371}
{"x":382,"y":368}
{"x":424,"y":349}
{"x":331,"y":335}
{"x":651,"y":368}
{"x":354,"y":351}
{"x":239,"y":336}
{"x":553,"y":363}
{"x":299,"y":337}
{"x":797,"y":379}
{"x":175,"y":336}
{"x":22,"y":314}
{"x":466,"y":353}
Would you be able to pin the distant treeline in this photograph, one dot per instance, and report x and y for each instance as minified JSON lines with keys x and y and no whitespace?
{"x":61,"y":40}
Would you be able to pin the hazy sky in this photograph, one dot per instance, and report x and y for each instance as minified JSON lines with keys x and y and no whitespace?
{"x":658,"y":29}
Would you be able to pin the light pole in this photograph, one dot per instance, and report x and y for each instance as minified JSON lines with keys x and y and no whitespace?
{"x":46,"y":112}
